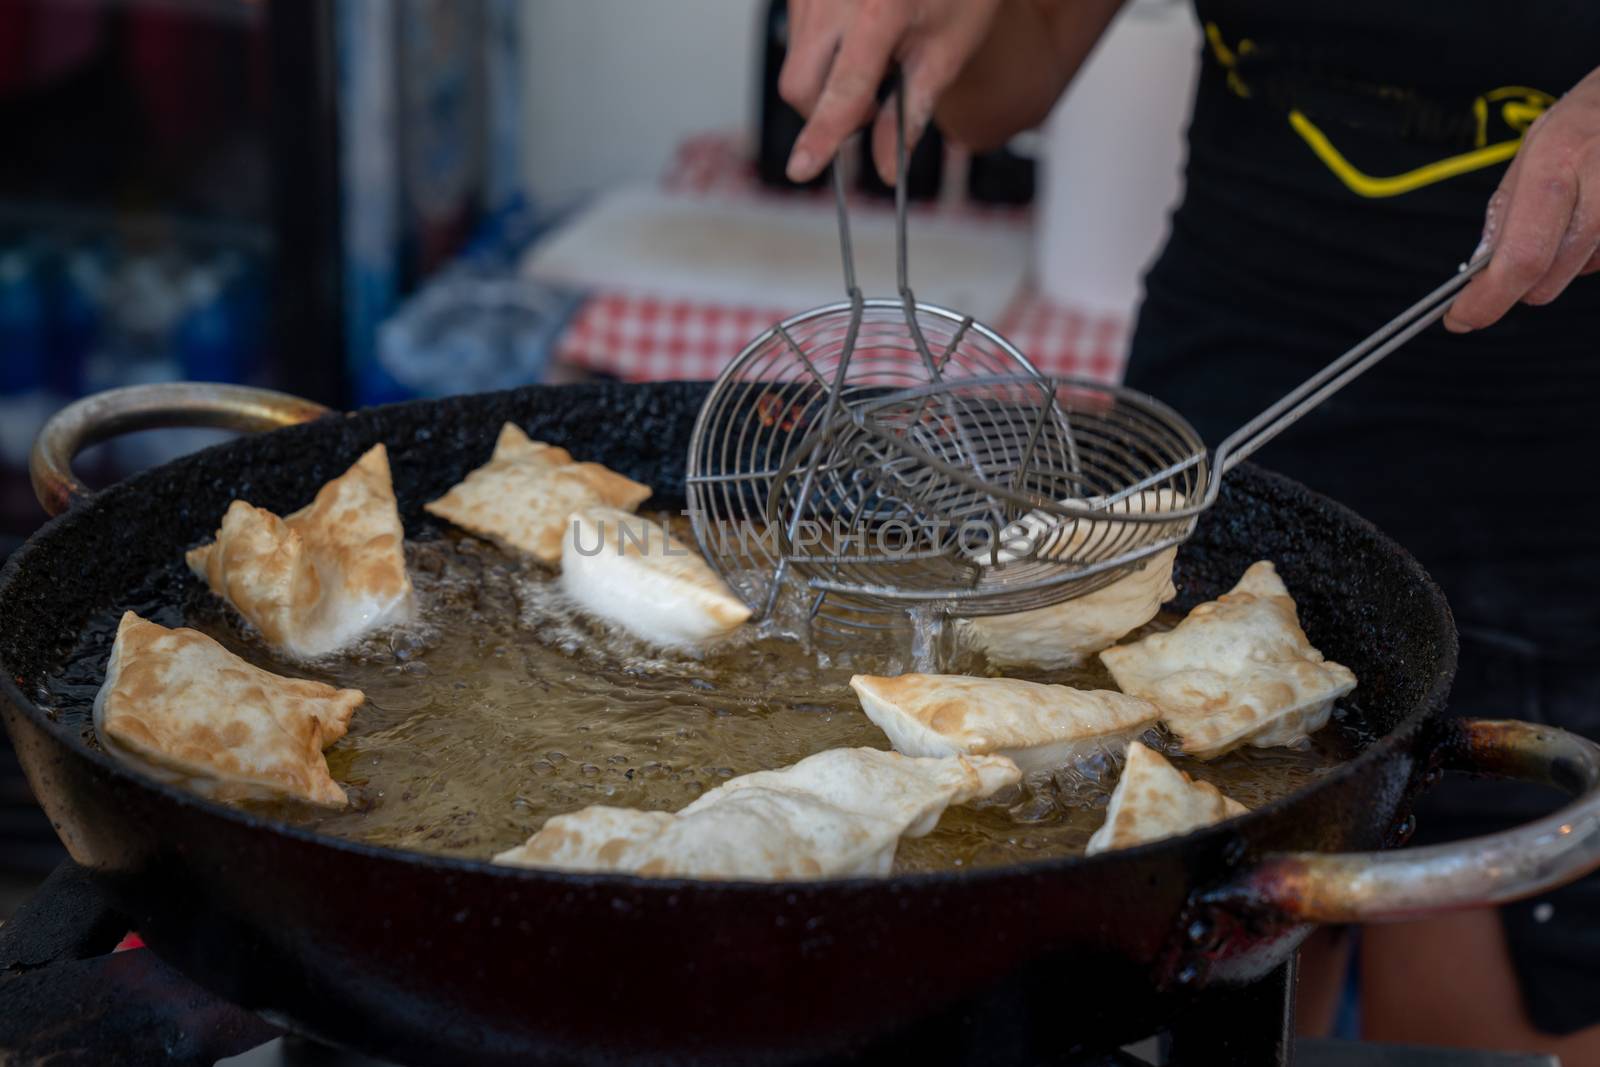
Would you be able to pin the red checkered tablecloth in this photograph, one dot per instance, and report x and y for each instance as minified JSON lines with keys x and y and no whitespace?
{"x":643,"y":338}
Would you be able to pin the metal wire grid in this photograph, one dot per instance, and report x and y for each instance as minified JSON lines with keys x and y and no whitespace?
{"x":980,"y":493}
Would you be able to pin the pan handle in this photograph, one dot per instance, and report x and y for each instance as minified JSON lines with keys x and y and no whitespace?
{"x":1364,"y":887}
{"x":148,"y":407}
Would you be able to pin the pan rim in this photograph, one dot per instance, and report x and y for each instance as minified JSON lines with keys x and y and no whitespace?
{"x":1429,"y":705}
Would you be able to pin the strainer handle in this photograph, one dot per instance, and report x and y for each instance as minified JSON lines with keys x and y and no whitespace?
{"x":908,"y":300}
{"x":1243,"y":442}
{"x":846,"y":246}
{"x":846,"y":249}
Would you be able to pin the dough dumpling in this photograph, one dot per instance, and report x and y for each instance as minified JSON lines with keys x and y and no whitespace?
{"x":631,"y":572}
{"x":521,"y":498}
{"x":1039,"y":727}
{"x":1154,"y":799}
{"x":1063,"y":635}
{"x":319,"y":579}
{"x":1051,"y":536}
{"x":182,"y":707}
{"x":837,"y":814}
{"x":1238,"y":670}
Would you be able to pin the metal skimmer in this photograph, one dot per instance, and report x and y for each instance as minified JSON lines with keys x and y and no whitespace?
{"x":876,"y":457}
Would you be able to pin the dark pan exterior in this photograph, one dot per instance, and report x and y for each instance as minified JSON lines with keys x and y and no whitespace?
{"x":436,"y":960}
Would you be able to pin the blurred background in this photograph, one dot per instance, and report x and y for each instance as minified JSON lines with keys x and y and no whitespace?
{"x":365,"y":201}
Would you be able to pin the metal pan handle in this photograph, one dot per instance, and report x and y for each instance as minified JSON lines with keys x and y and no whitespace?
{"x":149,"y":407}
{"x":1364,"y":887}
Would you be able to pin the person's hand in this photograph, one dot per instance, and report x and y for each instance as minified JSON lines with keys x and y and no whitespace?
{"x":839,"y":52}
{"x":1543,"y":223}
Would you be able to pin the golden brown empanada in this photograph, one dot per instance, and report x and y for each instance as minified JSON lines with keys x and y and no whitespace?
{"x":837,"y":814}
{"x":1154,"y":799}
{"x":521,"y":498}
{"x":318,"y":580}
{"x":1039,"y":727}
{"x":183,"y":707}
{"x":1238,"y":670}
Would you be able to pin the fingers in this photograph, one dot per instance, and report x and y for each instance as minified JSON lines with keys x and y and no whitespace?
{"x":1495,"y":214}
{"x":851,"y":86}
{"x":924,"y":76}
{"x":1577,"y":254}
{"x":1493,"y":217}
{"x":814,"y":30}
{"x":1538,"y":214}
{"x":883,"y":140}
{"x":1580,"y":245}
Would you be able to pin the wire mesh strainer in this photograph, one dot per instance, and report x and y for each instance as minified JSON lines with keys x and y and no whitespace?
{"x":880,"y":456}
{"x":774,"y":486}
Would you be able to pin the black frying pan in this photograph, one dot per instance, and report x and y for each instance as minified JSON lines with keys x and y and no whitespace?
{"x":429,"y":959}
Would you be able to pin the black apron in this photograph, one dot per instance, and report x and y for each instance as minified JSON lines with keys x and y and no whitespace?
{"x":1341,"y":155}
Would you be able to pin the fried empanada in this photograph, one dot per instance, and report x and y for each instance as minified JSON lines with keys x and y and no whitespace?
{"x":1039,"y":727}
{"x":631,"y":572}
{"x":318,"y":580}
{"x":1044,"y":535}
{"x":837,"y":814}
{"x":183,"y":707}
{"x":1238,"y":670}
{"x":1064,"y":634}
{"x":1154,"y":799}
{"x":521,"y":498}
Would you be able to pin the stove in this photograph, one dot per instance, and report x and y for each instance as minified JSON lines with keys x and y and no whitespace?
{"x":68,"y":996}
